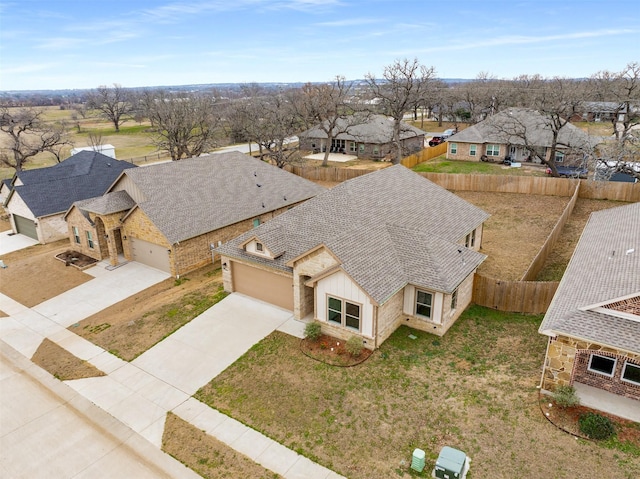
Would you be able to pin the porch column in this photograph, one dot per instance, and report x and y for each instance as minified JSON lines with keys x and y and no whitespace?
{"x":113,"y":249}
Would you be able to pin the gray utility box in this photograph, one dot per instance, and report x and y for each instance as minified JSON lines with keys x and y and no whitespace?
{"x":451,"y":464}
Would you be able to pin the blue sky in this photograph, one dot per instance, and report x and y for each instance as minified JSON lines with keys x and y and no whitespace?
{"x":55,"y":44}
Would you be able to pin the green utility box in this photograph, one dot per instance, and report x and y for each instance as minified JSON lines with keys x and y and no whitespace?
{"x":417,"y":461}
{"x":451,"y":464}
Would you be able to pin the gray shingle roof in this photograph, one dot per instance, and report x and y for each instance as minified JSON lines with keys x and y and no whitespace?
{"x":52,"y":190}
{"x":378,"y":130}
{"x":110,"y":203}
{"x":191,"y":197}
{"x":605,"y":266}
{"x":495,"y":130}
{"x":388,"y":228}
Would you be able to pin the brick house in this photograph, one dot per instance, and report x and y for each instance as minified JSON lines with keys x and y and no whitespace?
{"x":169,"y":216}
{"x":504,"y":134}
{"x":36,"y":200}
{"x":372,"y":139}
{"x":381,"y":250}
{"x":593,"y":322}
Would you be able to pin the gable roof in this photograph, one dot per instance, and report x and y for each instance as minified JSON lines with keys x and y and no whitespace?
{"x":388,"y":228}
{"x":52,"y":190}
{"x":604,"y":268}
{"x":378,"y":129}
{"x":496,"y":128}
{"x":187,"y":198}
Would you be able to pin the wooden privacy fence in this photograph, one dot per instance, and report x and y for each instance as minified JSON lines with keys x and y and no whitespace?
{"x":330,"y":173}
{"x":531,"y":297}
{"x":424,"y":155}
{"x":538,"y":262}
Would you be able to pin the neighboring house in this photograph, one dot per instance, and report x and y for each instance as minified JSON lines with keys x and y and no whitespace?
{"x":381,"y":250}
{"x":373,"y":139}
{"x":5,"y":188}
{"x":170,"y":215}
{"x":107,"y":150}
{"x":593,"y":322}
{"x":501,"y":135}
{"x":38,"y":199}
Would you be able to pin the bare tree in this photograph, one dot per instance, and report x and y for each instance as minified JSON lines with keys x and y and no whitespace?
{"x":327,"y":107}
{"x":27,"y":134}
{"x":185,"y":124}
{"x":95,"y":140}
{"x":114,"y":103}
{"x":404,"y":85}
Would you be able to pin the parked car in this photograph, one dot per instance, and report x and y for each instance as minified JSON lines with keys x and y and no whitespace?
{"x":449,"y":132}
{"x":570,"y":171}
{"x":436,"y":140}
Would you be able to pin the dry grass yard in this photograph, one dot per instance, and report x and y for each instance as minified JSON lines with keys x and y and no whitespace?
{"x":206,"y":455}
{"x":61,"y":364}
{"x":474,"y":389}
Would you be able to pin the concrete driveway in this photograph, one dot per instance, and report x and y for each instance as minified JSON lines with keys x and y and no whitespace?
{"x":210,"y":343}
{"x":11,"y":242}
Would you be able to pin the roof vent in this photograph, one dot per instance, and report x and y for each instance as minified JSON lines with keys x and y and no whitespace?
{"x":258,"y":185}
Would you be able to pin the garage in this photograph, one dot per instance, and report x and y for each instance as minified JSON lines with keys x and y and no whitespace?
{"x":151,"y":254}
{"x":263,"y":285}
{"x":25,"y":226}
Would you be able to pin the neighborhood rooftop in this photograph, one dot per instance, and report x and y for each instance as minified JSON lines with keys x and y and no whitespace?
{"x":373,"y":129}
{"x":52,"y":190}
{"x":190,"y":197}
{"x":387,"y":228}
{"x":604,"y":269}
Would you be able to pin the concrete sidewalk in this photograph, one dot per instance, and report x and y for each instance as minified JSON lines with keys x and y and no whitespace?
{"x":139,"y":394}
{"x":47,"y":430}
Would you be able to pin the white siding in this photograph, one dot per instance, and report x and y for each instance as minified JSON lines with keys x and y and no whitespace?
{"x":341,"y":286}
{"x":17,"y":206}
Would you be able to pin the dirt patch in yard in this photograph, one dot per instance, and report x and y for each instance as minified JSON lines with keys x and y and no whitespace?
{"x":34,"y":275}
{"x":78,"y":260}
{"x":62,"y":364}
{"x":515,"y":232}
{"x":5,"y":225}
{"x":206,"y":455}
{"x":130,"y":327}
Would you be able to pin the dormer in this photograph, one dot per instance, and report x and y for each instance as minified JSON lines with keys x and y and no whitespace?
{"x":256,"y":247}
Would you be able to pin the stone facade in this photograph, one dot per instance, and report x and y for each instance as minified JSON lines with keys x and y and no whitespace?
{"x":303,"y":269}
{"x":567,"y":362}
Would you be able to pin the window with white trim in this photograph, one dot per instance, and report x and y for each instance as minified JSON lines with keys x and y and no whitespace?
{"x":76,"y":235}
{"x":259,"y":247}
{"x":454,"y":299}
{"x":559,"y":157}
{"x":344,"y":313}
{"x":493,"y":150}
{"x":602,"y":365}
{"x":453,"y":148}
{"x":256,"y":222}
{"x":424,"y":302}
{"x":470,"y":239}
{"x":90,"y":239}
{"x":352,"y":146}
{"x":631,"y":373}
{"x":473,"y":150}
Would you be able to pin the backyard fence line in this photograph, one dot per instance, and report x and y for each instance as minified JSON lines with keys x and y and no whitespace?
{"x":530,"y":297}
{"x":149,"y":158}
{"x":425,"y":154}
{"x":538,"y":262}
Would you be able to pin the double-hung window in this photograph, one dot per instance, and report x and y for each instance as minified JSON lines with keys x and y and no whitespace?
{"x":472,"y":150}
{"x":493,"y":150}
{"x":76,"y":235}
{"x":470,"y":239}
{"x":424,"y":302}
{"x":453,"y":148}
{"x":90,"y":239}
{"x":344,"y":313}
{"x":602,"y":365}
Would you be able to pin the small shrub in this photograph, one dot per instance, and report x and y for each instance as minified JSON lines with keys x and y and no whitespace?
{"x":596,"y":426}
{"x":313,"y":331}
{"x":565,"y":396}
{"x":354,"y":346}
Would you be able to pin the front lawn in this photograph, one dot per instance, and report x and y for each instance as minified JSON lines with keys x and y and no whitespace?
{"x":474,"y":389}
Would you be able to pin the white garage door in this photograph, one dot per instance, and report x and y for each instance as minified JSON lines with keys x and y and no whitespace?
{"x":151,"y":254}
{"x":263,"y":285}
{"x":25,"y":226}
